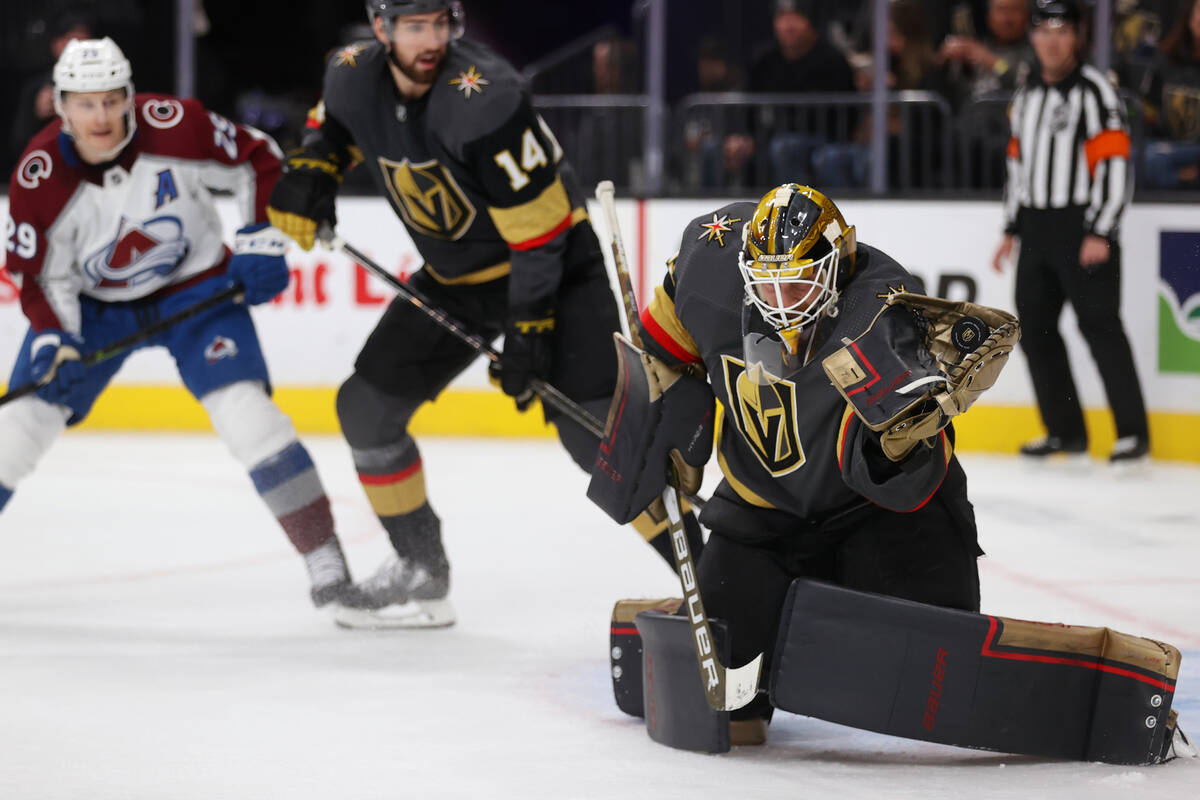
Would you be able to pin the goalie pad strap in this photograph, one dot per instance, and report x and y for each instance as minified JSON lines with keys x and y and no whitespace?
{"x":942,"y":675}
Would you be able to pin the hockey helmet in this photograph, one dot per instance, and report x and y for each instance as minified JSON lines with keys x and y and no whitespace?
{"x":94,"y":65}
{"x":390,"y":9}
{"x":797,"y":253}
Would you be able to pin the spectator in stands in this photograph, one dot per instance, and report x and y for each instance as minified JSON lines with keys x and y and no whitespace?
{"x":613,"y":67}
{"x":999,"y":61}
{"x":714,"y":73}
{"x":35,"y":108}
{"x":912,"y":65}
{"x":799,"y":60}
{"x":1172,"y":159}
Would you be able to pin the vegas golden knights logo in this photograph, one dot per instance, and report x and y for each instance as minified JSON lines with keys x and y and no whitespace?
{"x":765,"y":412}
{"x":428,"y":198}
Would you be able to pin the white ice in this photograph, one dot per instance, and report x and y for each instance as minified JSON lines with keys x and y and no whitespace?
{"x":156,"y":639}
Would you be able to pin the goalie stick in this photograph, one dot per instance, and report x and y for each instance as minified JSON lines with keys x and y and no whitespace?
{"x":232,"y":294}
{"x":726,"y":689}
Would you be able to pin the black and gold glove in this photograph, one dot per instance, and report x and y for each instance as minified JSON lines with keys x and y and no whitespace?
{"x":303,"y":198}
{"x":922,"y":362}
{"x":528,"y":353}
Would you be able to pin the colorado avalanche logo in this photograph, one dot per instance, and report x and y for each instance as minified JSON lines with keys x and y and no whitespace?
{"x":36,"y":167}
{"x":220,"y":347}
{"x":162,"y":114}
{"x":139,"y":253}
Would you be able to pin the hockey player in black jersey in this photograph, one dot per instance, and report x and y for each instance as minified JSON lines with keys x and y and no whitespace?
{"x":757,"y":298}
{"x":447,"y":131}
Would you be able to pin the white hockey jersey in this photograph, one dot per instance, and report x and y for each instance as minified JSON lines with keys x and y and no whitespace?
{"x":144,"y":224}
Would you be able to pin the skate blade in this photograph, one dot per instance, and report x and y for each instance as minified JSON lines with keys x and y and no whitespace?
{"x":413,"y":614}
{"x":1077,"y":463}
{"x":1181,"y":746}
{"x":1130,"y":468}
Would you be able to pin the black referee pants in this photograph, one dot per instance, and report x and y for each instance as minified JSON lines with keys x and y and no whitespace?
{"x":1049,"y":274}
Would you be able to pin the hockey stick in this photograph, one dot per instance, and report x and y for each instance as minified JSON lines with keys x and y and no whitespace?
{"x":726,"y":689}
{"x":550,"y":395}
{"x":232,"y":294}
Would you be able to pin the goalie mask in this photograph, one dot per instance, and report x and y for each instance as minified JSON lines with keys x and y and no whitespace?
{"x":797,"y":253}
{"x":94,"y":65}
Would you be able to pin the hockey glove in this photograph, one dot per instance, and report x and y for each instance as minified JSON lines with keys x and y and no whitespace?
{"x":921,"y":362}
{"x":258,"y":263}
{"x":54,"y":364}
{"x":528,"y":343}
{"x":304,"y":198}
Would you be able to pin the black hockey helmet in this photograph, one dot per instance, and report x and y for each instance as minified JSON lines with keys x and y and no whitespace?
{"x":1056,"y":12}
{"x":390,"y":9}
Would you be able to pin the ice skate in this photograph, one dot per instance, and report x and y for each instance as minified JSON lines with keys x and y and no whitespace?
{"x":1130,"y":456}
{"x":401,"y":594}
{"x":1053,"y":450}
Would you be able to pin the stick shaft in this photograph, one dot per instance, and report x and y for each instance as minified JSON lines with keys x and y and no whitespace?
{"x":549,"y":394}
{"x":104,"y":353}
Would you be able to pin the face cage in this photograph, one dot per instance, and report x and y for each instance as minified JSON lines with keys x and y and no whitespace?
{"x":458,"y":21}
{"x":757,"y":274}
{"x":130,"y":118}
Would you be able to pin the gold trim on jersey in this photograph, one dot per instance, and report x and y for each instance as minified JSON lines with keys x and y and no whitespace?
{"x":536,"y":218}
{"x":742,"y":490}
{"x":662,"y":311}
{"x":471,"y":278}
{"x":428,"y":197}
{"x":764,"y":410}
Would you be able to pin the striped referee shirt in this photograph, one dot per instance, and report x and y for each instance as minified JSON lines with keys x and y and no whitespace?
{"x":1070,"y":147}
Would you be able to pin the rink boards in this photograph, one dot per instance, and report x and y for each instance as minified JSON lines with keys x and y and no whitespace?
{"x":312,"y":333}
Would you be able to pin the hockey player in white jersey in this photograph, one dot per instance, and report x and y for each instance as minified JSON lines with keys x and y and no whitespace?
{"x":112,"y":226}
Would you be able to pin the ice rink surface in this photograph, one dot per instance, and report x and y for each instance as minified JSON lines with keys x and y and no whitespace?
{"x":156,"y":639}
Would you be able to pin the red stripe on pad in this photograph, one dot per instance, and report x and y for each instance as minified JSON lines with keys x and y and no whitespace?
{"x":988,"y":652}
{"x":394,"y":477}
{"x":624,"y":631}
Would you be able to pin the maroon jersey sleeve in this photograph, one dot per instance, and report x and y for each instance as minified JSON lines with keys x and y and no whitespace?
{"x":40,"y":187}
{"x":238,"y":157}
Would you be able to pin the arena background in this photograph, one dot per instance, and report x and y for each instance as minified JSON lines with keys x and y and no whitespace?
{"x":313,"y":331}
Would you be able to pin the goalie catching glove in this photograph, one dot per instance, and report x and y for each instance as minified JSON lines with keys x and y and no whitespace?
{"x":920,"y":363}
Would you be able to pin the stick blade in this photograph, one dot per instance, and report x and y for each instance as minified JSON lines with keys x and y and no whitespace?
{"x":740,"y":686}
{"x":605,"y":189}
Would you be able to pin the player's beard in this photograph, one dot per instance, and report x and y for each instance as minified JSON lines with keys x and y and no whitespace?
{"x":420,"y":75}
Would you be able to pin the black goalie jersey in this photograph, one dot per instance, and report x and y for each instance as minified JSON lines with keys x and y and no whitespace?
{"x":476,"y":176}
{"x":788,"y":443}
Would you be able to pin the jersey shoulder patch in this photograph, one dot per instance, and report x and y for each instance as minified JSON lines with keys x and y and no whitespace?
{"x":707,"y":265}
{"x":476,"y":93}
{"x":351,"y":77}
{"x":43,"y":180}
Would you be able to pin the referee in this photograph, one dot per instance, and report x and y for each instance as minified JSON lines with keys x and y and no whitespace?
{"x":1068,"y":182}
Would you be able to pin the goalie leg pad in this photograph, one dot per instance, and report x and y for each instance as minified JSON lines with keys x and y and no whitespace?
{"x":941,"y":675}
{"x":677,"y":712}
{"x":625,"y":649}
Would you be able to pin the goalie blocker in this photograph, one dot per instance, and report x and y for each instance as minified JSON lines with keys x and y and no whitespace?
{"x":924,"y":672}
{"x":659,"y":429}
